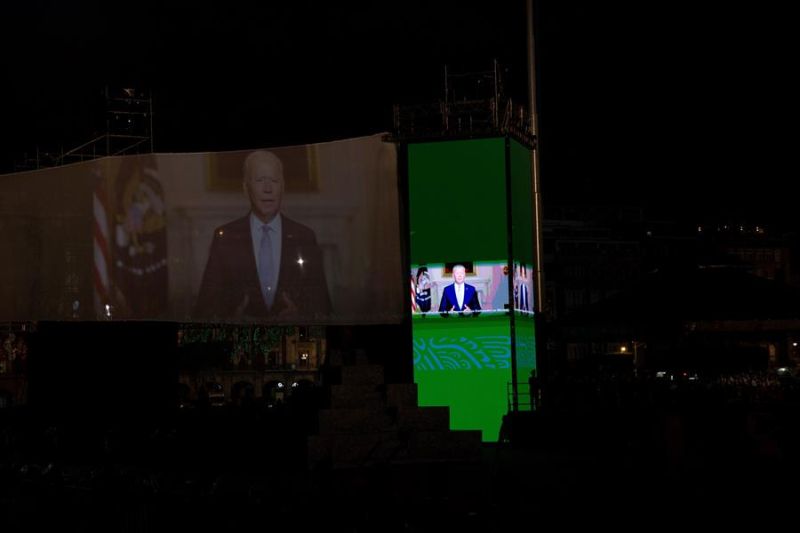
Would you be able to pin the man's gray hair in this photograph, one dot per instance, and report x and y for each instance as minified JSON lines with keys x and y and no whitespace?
{"x":260,"y":156}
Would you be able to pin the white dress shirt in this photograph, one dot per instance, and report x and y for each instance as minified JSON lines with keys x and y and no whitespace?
{"x":459,"y":287}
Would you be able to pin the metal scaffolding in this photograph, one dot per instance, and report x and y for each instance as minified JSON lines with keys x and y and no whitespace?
{"x":473,"y":104}
{"x":127,"y":128}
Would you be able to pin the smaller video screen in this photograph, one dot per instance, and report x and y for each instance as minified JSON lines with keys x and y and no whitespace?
{"x":463,"y":288}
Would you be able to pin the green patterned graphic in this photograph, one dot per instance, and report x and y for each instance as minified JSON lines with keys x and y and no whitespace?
{"x":465,"y":363}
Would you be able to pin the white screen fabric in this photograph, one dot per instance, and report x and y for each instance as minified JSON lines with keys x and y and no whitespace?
{"x":170,"y":237}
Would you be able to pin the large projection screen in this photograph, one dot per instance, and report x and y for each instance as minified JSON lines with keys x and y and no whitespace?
{"x":290,"y":235}
{"x":471,"y":223}
{"x":458,"y":216}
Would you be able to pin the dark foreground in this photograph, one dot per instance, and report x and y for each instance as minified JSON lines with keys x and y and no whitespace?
{"x":697,"y":453}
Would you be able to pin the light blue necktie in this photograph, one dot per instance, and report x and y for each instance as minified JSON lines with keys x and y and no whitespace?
{"x":266,"y":267}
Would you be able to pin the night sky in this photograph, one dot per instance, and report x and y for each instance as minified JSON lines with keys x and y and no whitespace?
{"x":670,"y":105}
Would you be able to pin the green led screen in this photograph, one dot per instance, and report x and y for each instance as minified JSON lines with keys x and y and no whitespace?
{"x":464,"y":362}
{"x":521,"y":203}
{"x":459,"y":198}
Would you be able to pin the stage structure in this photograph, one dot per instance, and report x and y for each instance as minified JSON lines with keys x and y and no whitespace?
{"x":126,"y":125}
{"x":472,"y":256}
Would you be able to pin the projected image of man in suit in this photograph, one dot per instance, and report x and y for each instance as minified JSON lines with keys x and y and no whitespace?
{"x":264,"y":264}
{"x":459,"y":296}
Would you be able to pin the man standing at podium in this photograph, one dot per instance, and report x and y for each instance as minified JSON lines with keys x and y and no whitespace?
{"x":459,"y":296}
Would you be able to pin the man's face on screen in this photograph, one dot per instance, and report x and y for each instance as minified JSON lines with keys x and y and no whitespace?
{"x":458,"y":275}
{"x":264,"y":186}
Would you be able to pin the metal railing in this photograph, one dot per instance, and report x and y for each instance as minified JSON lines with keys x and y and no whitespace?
{"x":524,"y":401}
{"x":465,"y":118}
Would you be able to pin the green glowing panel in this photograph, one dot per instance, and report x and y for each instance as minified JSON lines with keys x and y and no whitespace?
{"x":464,"y":362}
{"x":457,"y":201}
{"x":521,"y":203}
{"x":459,"y":198}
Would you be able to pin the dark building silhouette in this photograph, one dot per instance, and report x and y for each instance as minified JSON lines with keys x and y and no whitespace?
{"x":625,"y":291}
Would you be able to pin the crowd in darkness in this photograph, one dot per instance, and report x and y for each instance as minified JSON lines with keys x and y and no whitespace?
{"x":625,"y":391}
{"x":699,"y":441}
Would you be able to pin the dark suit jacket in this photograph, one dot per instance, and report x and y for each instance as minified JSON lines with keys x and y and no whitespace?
{"x":449,"y":301}
{"x":230,"y":288}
